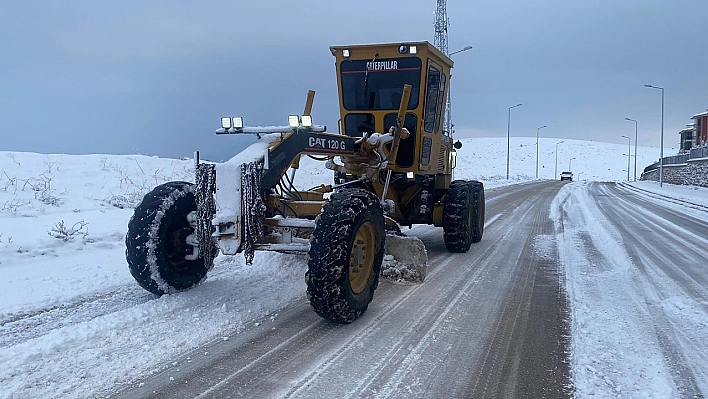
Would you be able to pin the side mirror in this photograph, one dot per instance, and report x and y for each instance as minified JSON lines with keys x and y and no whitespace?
{"x":457,"y":145}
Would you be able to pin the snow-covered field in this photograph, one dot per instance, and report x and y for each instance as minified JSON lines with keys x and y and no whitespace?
{"x":63,"y":220}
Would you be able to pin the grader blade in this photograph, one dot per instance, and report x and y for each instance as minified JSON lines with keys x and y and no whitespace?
{"x":406,"y":260}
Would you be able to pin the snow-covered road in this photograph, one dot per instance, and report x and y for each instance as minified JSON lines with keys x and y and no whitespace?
{"x":637,"y":279}
{"x":486,"y":323}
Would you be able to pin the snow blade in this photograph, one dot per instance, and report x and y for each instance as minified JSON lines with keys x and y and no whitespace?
{"x":406,"y":260}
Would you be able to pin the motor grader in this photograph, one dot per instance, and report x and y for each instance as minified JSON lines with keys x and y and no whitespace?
{"x":392,"y":162}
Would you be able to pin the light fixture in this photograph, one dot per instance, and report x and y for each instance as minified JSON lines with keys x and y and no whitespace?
{"x":410,"y":175}
{"x":414,"y":49}
{"x":306,"y":121}
{"x":345,"y":53}
{"x":226,"y":122}
{"x":293,"y":121}
{"x":402,"y":49}
{"x":237,"y":122}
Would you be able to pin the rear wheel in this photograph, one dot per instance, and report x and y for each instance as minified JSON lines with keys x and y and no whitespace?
{"x":346,"y":252}
{"x":463,"y":215}
{"x":478,"y":209}
{"x":161,"y":245}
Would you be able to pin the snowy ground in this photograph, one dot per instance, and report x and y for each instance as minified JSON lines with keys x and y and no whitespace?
{"x":73,"y":323}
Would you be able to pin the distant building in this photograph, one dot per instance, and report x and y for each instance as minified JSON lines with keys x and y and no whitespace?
{"x":700,"y":128}
{"x":687,"y":138}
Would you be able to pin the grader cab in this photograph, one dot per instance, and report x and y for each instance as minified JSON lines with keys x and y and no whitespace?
{"x":392,"y":161}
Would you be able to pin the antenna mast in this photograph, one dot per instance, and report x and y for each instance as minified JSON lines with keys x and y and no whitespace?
{"x":441,"y":24}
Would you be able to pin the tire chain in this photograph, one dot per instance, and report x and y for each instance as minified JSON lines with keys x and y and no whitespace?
{"x":206,"y":209}
{"x":253,"y":207}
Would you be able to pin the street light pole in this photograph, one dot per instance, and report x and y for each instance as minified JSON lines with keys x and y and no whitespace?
{"x":661,"y":160}
{"x":537,"y":129}
{"x":556,"y":176}
{"x":629,"y":154}
{"x":448,"y":112}
{"x":635,"y":146}
{"x":508,"y":145}
{"x":570,"y":162}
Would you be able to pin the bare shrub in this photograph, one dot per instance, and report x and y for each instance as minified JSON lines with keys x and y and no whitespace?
{"x":60,"y":231}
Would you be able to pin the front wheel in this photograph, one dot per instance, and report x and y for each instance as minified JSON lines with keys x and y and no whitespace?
{"x":346,"y":252}
{"x":162,"y":248}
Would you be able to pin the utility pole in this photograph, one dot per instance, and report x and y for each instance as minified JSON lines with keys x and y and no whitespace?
{"x":636,"y":137}
{"x":508,"y":142}
{"x":661,"y":160}
{"x":537,"y":129}
{"x":629,"y":154}
{"x":556,"y":176}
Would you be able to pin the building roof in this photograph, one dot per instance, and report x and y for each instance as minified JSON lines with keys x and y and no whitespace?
{"x":701,"y":114}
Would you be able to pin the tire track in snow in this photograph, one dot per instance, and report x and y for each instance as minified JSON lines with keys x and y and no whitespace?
{"x":20,"y":327}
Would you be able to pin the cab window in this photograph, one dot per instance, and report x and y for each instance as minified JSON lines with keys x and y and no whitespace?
{"x":406,"y":148}
{"x":441,"y":101}
{"x":433,"y":97}
{"x":378,"y":84}
{"x":357,"y":124}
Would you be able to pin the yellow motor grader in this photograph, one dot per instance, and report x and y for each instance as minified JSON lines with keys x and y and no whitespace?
{"x":392,"y":161}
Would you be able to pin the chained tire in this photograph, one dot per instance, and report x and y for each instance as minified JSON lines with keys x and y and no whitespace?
{"x":161,"y":244}
{"x":346,"y":252}
{"x":463,"y":215}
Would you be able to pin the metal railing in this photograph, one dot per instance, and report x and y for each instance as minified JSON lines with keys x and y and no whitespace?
{"x":695,"y":153}
{"x":699,"y":152}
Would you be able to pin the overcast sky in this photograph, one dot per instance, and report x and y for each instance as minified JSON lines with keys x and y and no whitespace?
{"x":154,"y":77}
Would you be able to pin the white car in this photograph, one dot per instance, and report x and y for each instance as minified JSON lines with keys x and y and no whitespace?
{"x":567,"y":176}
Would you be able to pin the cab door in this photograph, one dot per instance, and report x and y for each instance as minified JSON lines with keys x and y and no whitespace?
{"x":432,"y":124}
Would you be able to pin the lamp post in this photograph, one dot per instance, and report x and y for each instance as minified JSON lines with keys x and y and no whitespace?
{"x":661,"y":160}
{"x":459,"y":51}
{"x":635,"y":146}
{"x":570,"y":162}
{"x":629,"y":154}
{"x":557,"y":158}
{"x":448,"y":113}
{"x":508,"y":145}
{"x":537,"y":129}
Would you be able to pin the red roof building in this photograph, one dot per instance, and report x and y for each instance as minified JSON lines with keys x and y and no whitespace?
{"x":701,"y":128}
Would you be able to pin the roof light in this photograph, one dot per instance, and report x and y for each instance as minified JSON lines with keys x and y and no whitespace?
{"x":345,"y":53}
{"x":402,"y":49}
{"x":293,"y":121}
{"x":226,"y":122}
{"x":306,"y":121}
{"x":414,"y":49}
{"x":237,"y":122}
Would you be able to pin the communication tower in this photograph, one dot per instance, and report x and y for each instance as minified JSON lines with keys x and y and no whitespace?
{"x":441,"y":24}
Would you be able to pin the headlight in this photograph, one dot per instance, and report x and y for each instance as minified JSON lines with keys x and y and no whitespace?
{"x":307,"y":121}
{"x":226,"y":122}
{"x":345,"y":53}
{"x":238,"y":122}
{"x":414,"y":49}
{"x":293,"y":121}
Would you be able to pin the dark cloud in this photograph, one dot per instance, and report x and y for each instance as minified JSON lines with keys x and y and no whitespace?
{"x":155,"y":77}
